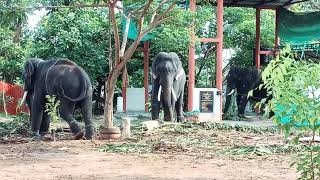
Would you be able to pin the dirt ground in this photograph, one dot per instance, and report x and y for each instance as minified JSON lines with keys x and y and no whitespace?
{"x":174,"y":152}
{"x":80,"y":160}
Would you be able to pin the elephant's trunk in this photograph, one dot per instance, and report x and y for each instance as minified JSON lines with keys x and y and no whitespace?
{"x":168,"y":95}
{"x":23,"y":98}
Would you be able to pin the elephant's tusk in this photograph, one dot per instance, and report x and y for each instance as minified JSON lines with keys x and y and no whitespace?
{"x":23,"y":98}
{"x":230,"y":93}
{"x":174,"y":94}
{"x":154,"y":76}
{"x":159,"y":93}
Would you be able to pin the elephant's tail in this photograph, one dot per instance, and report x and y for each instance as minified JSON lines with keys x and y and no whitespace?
{"x":83,"y":93}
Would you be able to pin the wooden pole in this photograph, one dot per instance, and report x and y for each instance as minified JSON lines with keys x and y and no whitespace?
{"x":219,"y":51}
{"x":257,"y":49}
{"x":192,"y":52}
{"x":277,"y":39}
{"x":146,"y":74}
{"x":124,"y":88}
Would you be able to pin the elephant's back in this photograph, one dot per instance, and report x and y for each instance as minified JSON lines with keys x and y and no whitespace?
{"x":72,"y":79}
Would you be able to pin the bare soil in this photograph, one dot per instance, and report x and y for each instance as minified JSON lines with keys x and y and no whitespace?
{"x":71,"y":159}
{"x":173,"y":152}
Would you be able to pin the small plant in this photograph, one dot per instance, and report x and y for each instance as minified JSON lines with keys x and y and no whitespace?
{"x":18,"y":81}
{"x":52,"y":110}
{"x":295,"y":88}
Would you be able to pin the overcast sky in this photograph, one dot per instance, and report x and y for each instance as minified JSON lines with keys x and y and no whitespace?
{"x":35,"y":17}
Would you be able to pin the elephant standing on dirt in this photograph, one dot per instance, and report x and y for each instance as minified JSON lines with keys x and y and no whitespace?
{"x":71,"y":86}
{"x":168,"y":81}
{"x":243,"y":80}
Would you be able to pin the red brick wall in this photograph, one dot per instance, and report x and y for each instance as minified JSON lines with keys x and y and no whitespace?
{"x":15,"y":93}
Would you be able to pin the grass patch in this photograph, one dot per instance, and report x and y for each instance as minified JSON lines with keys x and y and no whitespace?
{"x":197,"y":139}
{"x":124,"y":148}
{"x":18,"y":125}
{"x":261,"y":150}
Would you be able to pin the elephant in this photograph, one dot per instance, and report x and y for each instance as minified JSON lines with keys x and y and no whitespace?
{"x":243,"y":80}
{"x":168,"y":81}
{"x":68,"y":82}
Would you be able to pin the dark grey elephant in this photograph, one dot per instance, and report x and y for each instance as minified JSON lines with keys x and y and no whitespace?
{"x":244,"y":80}
{"x":168,"y":81}
{"x":68,"y":82}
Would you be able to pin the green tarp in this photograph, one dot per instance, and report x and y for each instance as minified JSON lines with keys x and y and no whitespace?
{"x":133,"y":31}
{"x":299,"y":27}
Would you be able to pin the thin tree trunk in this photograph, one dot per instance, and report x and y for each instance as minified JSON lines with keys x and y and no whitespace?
{"x":17,"y":34}
{"x":110,"y":86}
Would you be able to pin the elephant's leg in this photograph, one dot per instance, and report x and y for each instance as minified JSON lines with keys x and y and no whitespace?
{"x":86,"y":110}
{"x":66,"y":112}
{"x":44,"y":128}
{"x":238,"y":100}
{"x":179,"y":108}
{"x":37,"y":109}
{"x":227,"y":104}
{"x":167,"y":109}
{"x":155,"y":104}
{"x":242,"y":106}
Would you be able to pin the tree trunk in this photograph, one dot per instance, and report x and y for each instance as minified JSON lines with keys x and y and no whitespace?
{"x":109,"y":94}
{"x":17,"y":33}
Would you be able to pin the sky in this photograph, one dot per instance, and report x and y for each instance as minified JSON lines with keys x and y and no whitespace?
{"x":35,"y":17}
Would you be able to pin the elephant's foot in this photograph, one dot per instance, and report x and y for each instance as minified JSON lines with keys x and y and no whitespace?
{"x":89,"y":134}
{"x":181,"y":119}
{"x":74,"y":127}
{"x":44,"y":133}
{"x":242,"y":116}
{"x":35,"y":136}
{"x":79,"y":135}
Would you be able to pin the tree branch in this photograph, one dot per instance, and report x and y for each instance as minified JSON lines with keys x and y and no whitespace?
{"x":125,"y":35}
{"x":115,"y":32}
{"x":141,"y":19}
{"x":156,"y":10}
{"x":206,"y":55}
{"x":162,"y":17}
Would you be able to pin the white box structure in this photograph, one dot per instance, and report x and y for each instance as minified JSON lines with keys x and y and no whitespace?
{"x":135,"y":99}
{"x":211,"y":111}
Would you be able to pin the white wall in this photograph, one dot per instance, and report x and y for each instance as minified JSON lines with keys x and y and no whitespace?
{"x":135,"y":99}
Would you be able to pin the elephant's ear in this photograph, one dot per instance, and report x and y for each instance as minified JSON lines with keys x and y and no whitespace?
{"x":179,"y":74}
{"x":29,"y":68}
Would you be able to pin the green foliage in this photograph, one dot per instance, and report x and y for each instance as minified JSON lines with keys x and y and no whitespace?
{"x":77,"y":34}
{"x":52,"y":106}
{"x":18,"y":125}
{"x":12,"y":56}
{"x":294,"y":86}
{"x":306,"y":6}
{"x":240,"y":33}
{"x":309,"y":164}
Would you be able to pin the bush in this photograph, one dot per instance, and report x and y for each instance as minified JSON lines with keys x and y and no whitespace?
{"x":295,"y":88}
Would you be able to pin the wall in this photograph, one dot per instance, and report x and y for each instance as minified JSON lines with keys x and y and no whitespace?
{"x":135,"y":99}
{"x":13,"y":94}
